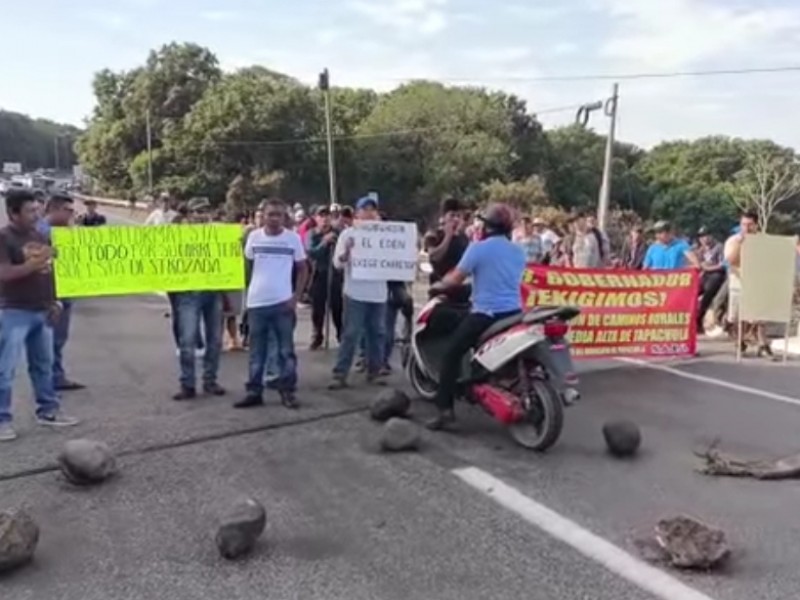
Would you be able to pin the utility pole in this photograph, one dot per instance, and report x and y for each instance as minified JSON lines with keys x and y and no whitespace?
{"x":149,"y":153}
{"x":324,"y":85}
{"x":610,"y":110}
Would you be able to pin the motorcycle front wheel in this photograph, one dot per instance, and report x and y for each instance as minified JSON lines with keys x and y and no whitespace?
{"x":423,"y":385}
{"x":541,"y":426}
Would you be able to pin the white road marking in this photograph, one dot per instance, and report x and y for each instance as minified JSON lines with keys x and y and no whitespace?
{"x":593,"y":547}
{"x":713,"y":381}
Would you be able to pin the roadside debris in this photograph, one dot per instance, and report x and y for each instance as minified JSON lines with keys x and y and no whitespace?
{"x":690,"y":544}
{"x":240,"y":528}
{"x":86,"y":462}
{"x":390,"y":403}
{"x":400,"y":435}
{"x":719,"y":464}
{"x":623,"y":438}
{"x":19,"y":535}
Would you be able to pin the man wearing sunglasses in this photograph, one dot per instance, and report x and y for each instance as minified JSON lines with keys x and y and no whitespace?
{"x":191,"y":308}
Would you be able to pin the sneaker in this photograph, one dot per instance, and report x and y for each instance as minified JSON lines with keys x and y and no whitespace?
{"x":360,"y":366}
{"x":186,"y":393}
{"x":289,"y":401}
{"x":716,"y":333}
{"x":214,"y":389}
{"x":443,"y":420}
{"x":339,"y":383}
{"x":69,"y":386}
{"x":376,"y":379}
{"x":250,"y":401}
{"x":7,"y":433}
{"x":56,"y":420}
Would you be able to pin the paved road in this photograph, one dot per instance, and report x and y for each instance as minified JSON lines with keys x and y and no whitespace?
{"x":348,"y":522}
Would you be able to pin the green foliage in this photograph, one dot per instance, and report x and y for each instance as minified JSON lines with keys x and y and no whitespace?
{"x":524,"y":195}
{"x":689,"y":209}
{"x":32,"y":142}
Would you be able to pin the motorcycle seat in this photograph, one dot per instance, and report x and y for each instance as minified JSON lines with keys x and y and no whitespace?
{"x":501,"y":326}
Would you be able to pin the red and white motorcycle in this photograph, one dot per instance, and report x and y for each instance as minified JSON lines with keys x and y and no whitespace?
{"x":521,"y":371}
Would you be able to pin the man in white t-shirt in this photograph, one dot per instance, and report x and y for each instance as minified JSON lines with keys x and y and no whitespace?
{"x":364,"y":306}
{"x":272,"y":296}
{"x":162,"y":213}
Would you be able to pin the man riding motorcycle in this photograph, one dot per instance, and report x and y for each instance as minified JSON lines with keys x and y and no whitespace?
{"x":496,"y":266}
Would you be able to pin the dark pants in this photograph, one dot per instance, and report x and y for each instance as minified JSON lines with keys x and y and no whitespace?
{"x":272,"y":333}
{"x":60,"y":337}
{"x":463,"y":338}
{"x":192,"y":309}
{"x":710,"y":285}
{"x":319,"y":303}
{"x":172,"y":297}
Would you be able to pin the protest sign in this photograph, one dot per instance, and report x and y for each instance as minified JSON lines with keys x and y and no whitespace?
{"x":623,"y":313}
{"x":768,"y":278}
{"x":384,"y":251}
{"x":103,"y":261}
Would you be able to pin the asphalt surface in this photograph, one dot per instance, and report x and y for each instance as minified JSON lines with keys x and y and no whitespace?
{"x":348,"y":522}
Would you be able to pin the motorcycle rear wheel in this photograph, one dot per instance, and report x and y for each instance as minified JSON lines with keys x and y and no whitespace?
{"x":540,"y":436}
{"x":423,"y":385}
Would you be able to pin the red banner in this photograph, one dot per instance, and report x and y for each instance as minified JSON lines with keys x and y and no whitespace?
{"x":623,"y":313}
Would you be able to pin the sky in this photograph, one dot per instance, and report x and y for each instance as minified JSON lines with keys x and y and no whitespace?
{"x":52,"y":49}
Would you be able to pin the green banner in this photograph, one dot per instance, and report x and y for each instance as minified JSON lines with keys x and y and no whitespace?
{"x":106,"y":261}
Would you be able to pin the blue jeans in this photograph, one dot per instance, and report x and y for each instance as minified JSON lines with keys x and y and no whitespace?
{"x":192,"y":308}
{"x":60,"y":337}
{"x":392,"y":313}
{"x":272,"y":335}
{"x":367,"y":321}
{"x":173,"y":305}
{"x":28,"y":330}
{"x":273,"y":370}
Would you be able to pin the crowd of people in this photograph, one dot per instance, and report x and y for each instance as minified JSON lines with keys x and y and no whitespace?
{"x":292,"y":256}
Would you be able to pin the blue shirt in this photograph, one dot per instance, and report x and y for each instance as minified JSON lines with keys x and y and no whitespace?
{"x":670,"y":256}
{"x":496,"y":266}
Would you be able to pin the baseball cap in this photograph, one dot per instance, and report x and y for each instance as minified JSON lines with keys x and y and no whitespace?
{"x":703,"y":231}
{"x":661,"y":226}
{"x":365,"y":202}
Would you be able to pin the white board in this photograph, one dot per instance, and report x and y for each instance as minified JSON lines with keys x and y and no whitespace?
{"x":12,"y":168}
{"x":768,"y":277}
{"x":384,"y":251}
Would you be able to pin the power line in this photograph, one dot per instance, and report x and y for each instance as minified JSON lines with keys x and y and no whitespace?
{"x":621,"y":76}
{"x":364,"y":136}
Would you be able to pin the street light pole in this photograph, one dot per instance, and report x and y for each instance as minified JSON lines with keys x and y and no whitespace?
{"x":324,"y":85}
{"x":149,"y":153}
{"x":610,"y":110}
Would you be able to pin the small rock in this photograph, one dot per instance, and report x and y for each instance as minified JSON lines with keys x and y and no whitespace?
{"x":240,"y":528}
{"x":19,"y":535}
{"x":690,"y":544}
{"x":85,"y":462}
{"x":400,"y":435}
{"x":623,"y":438}
{"x":390,"y":403}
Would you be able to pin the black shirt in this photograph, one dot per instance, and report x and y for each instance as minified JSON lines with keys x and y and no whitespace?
{"x":452,"y":256}
{"x":37,"y":290}
{"x":93,"y":220}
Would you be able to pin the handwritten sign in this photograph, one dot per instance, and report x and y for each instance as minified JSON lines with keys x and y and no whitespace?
{"x":105,"y":261}
{"x":385,"y":251}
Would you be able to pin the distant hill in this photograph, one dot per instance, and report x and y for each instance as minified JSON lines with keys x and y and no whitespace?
{"x":33,"y":142}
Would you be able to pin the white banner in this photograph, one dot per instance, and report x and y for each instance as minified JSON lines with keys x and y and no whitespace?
{"x":384,"y":251}
{"x":12,"y":168}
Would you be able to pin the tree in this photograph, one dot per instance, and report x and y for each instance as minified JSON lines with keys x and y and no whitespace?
{"x":575,"y":170}
{"x":691,"y":208}
{"x":424,"y":140}
{"x":524,"y":195}
{"x":33,"y":142}
{"x":770,"y":177}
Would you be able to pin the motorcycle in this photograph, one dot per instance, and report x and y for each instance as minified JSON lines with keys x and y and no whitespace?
{"x":520,"y":371}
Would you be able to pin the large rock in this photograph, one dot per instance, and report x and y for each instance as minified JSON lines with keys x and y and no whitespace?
{"x":400,"y":435}
{"x":240,"y":528}
{"x":85,"y":462}
{"x":390,"y":403}
{"x":690,"y":544}
{"x":19,"y":535}
{"x":623,"y":438}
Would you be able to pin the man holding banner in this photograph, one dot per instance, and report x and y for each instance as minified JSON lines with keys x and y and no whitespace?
{"x":191,"y":308}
